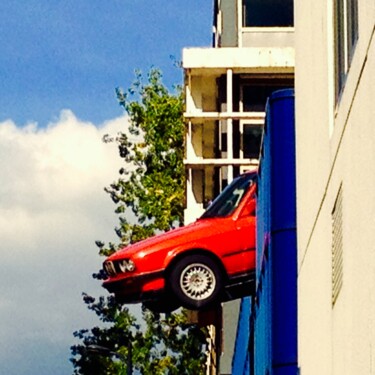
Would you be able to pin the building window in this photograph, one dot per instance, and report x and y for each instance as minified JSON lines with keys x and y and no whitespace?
{"x":337,"y":247}
{"x":251,"y":140}
{"x":346,"y":35}
{"x":255,"y":94}
{"x":253,"y":98}
{"x":267,"y":13}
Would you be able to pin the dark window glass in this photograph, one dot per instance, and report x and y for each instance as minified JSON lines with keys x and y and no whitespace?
{"x":224,"y":143}
{"x":340,"y":46}
{"x":352,"y":32}
{"x":255,"y":96}
{"x":230,"y":197}
{"x":252,"y":136}
{"x":267,"y":13}
{"x":346,"y":35}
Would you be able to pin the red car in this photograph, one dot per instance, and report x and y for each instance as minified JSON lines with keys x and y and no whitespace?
{"x":209,"y":261}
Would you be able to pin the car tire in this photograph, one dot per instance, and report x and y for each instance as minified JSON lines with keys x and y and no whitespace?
{"x":196,"y":281}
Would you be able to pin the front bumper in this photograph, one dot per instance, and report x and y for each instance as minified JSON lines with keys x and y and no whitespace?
{"x":136,"y":288}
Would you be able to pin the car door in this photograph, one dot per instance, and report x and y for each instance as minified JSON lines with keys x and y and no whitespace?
{"x":245,"y":234}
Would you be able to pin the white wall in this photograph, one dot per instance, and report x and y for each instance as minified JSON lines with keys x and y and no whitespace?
{"x":335,"y":145}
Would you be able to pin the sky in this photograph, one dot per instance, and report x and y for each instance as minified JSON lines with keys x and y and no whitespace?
{"x":60,"y":63}
{"x":73,"y":54}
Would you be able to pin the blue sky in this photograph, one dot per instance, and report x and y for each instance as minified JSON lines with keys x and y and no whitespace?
{"x":73,"y":53}
{"x":60,"y":63}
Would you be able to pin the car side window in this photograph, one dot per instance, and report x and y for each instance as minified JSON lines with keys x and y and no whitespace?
{"x":225,"y":204}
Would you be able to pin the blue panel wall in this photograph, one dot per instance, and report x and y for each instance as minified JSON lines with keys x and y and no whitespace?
{"x":241,"y":357}
{"x":272,"y":337}
{"x":275,"y":310}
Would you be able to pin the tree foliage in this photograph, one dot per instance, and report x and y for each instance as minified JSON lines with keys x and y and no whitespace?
{"x":149,"y":197}
{"x":152,"y":179}
{"x":163,"y":346}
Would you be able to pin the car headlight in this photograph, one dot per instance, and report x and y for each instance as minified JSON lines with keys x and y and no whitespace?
{"x":131,"y":266}
{"x":126,"y":265}
{"x":109,"y":268}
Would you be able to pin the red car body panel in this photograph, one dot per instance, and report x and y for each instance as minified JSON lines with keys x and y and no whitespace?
{"x":230,"y":240}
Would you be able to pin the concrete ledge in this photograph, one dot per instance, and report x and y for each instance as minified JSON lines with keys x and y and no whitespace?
{"x":239,"y":59}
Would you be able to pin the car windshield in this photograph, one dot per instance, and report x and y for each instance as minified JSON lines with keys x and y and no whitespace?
{"x":229,"y":199}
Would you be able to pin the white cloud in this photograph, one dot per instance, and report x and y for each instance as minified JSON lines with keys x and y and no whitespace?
{"x":52,"y":209}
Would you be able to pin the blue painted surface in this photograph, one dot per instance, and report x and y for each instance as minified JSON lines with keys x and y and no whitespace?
{"x":241,"y":358}
{"x":272,"y":321}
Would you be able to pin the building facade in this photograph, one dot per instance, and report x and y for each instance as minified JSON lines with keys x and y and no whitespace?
{"x":226,"y":89}
{"x":334,"y":87}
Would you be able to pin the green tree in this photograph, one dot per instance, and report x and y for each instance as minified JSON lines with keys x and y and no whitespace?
{"x":153,"y":179}
{"x":149,"y":196}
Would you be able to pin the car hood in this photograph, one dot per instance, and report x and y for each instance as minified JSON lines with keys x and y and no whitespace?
{"x":179,"y":237}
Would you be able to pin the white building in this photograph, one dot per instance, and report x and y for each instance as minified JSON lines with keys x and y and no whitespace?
{"x":226,"y":89}
{"x":335,"y":130}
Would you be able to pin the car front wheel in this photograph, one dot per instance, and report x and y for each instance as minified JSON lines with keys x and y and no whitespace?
{"x":196,"y":281}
